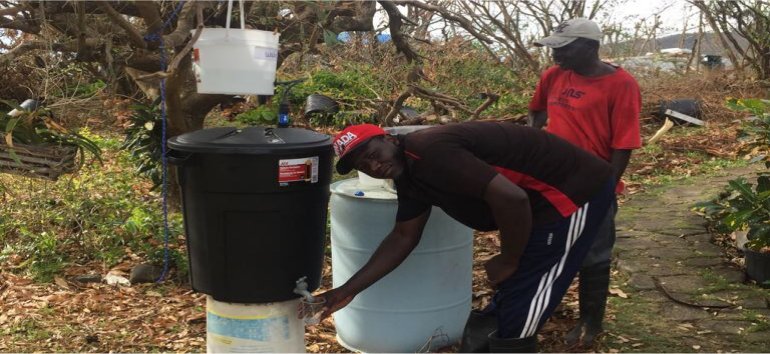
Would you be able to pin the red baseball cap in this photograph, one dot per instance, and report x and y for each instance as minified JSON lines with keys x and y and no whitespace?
{"x":351,"y":138}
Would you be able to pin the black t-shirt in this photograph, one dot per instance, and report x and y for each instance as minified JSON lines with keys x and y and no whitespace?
{"x":450,"y":166}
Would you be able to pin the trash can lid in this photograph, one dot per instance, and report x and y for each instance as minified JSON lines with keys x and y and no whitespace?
{"x":251,"y":140}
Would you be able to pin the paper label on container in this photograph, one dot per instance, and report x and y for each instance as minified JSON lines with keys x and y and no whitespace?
{"x":264,"y":53}
{"x":303,"y":170}
{"x":257,"y":328}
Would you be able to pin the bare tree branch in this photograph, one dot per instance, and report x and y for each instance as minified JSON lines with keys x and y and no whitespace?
{"x":397,"y":104}
{"x":463,"y":22}
{"x":715,"y":27}
{"x":27,"y":46}
{"x":491,"y":98}
{"x":133,"y":34}
{"x":150,"y":13}
{"x":190,"y":43}
{"x":21,"y":24}
{"x":11,"y":10}
{"x":184,"y":25}
{"x":394,"y":18}
{"x":361,"y":19}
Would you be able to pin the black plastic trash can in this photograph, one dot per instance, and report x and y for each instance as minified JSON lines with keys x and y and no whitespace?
{"x":688,"y":106}
{"x":255,"y":208}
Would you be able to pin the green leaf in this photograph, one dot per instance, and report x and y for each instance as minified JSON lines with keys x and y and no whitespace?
{"x":330,"y":38}
{"x":9,"y":127}
{"x":758,"y":231}
{"x":738,"y":219}
{"x":744,"y":188}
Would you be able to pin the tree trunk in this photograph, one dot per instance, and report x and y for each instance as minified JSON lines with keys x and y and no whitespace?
{"x":185,"y":111}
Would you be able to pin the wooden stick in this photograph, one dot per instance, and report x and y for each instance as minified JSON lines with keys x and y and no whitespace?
{"x":666,"y":127}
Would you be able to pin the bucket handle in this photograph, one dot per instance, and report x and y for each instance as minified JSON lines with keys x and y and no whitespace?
{"x":176,"y":158}
{"x":230,"y":14}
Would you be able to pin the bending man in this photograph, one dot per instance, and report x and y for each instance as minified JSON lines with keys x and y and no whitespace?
{"x":545,"y":196}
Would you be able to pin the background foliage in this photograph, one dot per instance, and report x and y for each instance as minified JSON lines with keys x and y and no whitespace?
{"x":745,"y":205}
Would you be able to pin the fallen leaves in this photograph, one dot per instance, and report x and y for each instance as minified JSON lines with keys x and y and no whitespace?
{"x":61,"y":282}
{"x":99,"y":318}
{"x":619,"y":293}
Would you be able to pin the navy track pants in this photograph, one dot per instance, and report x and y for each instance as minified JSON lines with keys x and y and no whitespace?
{"x":553,"y":256}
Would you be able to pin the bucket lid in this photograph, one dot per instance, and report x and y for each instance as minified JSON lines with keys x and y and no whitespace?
{"x":353,"y":188}
{"x":251,"y":140}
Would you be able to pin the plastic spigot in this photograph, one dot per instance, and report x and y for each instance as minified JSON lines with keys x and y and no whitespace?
{"x":301,"y":289}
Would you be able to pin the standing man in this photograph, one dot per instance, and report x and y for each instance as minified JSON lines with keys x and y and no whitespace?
{"x":546,"y":197}
{"x":594,"y":105}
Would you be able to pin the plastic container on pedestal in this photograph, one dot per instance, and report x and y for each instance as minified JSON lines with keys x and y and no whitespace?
{"x":255,"y":204}
{"x":254,"y":328}
{"x":423,"y":304}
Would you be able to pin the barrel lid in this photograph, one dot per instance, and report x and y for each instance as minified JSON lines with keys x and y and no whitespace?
{"x":251,"y":140}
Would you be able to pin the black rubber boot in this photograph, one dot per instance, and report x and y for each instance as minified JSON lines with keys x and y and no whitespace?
{"x":476,"y":333}
{"x":594,"y":285}
{"x":512,"y":345}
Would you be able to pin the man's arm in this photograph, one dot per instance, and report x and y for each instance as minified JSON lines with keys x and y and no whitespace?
{"x":537,"y":119}
{"x":389,"y":254}
{"x":513,"y":215}
{"x":619,"y":161}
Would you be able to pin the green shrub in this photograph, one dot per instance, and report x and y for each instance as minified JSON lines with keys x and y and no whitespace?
{"x":745,"y":205}
{"x":143,"y":141}
{"x":102,"y":215}
{"x":37,"y":127}
{"x":261,"y":115}
{"x":755,"y":131}
{"x":363,"y":79}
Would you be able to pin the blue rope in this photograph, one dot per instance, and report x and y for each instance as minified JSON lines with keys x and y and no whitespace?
{"x":153,"y":37}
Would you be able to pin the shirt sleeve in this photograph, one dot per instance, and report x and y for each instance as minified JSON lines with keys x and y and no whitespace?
{"x":539,"y":101}
{"x":625,"y":111}
{"x":409,"y":208}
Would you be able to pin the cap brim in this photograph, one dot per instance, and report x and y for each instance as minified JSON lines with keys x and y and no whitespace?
{"x":554,"y":41}
{"x":344,"y":165}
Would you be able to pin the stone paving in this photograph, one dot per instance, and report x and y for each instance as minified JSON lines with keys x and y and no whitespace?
{"x":677,"y":278}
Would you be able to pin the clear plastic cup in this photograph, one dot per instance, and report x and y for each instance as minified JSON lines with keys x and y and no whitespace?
{"x":311,"y":309}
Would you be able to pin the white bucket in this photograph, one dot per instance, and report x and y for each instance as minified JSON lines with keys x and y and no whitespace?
{"x":254,"y":328}
{"x":235,"y":61}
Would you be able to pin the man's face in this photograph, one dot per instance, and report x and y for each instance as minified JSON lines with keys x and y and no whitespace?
{"x":379,"y":158}
{"x":576,"y":55}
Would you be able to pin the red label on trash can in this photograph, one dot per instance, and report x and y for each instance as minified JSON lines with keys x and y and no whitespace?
{"x":298,"y":170}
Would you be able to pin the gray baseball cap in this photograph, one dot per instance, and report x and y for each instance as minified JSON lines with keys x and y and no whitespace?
{"x":570,"y":30}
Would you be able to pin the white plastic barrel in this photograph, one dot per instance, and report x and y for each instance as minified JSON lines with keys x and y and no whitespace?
{"x":254,"y":328}
{"x":423,"y":304}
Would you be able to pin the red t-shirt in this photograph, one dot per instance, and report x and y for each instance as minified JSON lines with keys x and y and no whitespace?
{"x":598,"y":114}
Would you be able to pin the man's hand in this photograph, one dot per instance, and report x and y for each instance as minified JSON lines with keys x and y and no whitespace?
{"x":335,"y":299}
{"x":500,"y":268}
